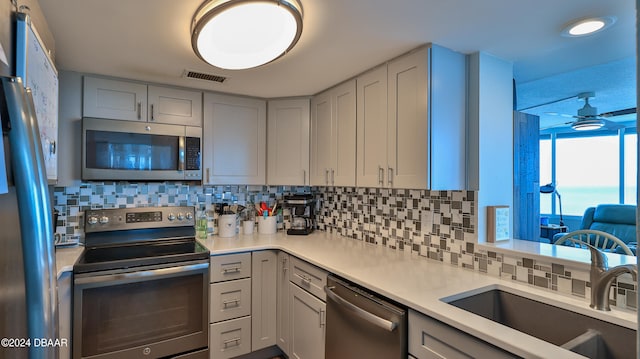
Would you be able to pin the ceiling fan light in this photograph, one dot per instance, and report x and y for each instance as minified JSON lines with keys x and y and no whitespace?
{"x":587,"y":125}
{"x":241,"y":34}
{"x":588,"y":26}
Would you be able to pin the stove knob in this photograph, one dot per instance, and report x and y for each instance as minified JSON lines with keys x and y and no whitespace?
{"x":104,"y":220}
{"x":93,"y":220}
{"x":189,"y":216}
{"x":180,"y":216}
{"x":171,"y":217}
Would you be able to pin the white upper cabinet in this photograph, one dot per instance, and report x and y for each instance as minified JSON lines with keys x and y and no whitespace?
{"x":407,"y":130}
{"x":333,"y":136}
{"x":234,"y":140}
{"x":372,"y":128}
{"x":132,"y":101}
{"x":176,"y":106}
{"x":288,"y":142}
{"x":118,"y":100}
{"x":412,"y":122}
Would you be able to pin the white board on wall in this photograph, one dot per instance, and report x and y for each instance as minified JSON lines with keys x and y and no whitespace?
{"x":38,"y":72}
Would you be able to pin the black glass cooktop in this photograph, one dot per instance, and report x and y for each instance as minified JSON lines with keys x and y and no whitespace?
{"x":139,"y":254}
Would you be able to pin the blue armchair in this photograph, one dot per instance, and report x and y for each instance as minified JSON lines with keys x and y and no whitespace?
{"x":616,"y":219}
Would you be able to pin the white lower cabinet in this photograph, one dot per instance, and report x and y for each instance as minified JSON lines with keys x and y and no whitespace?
{"x":282,"y":303}
{"x":230,"y":306}
{"x":263,"y":291}
{"x":307,"y":324}
{"x":432,"y":339}
{"x":230,"y":338}
{"x":230,"y":300}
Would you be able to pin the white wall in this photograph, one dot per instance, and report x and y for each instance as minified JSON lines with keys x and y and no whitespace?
{"x":490,"y":135}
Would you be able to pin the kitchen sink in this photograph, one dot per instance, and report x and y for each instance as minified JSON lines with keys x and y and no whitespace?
{"x":588,"y":336}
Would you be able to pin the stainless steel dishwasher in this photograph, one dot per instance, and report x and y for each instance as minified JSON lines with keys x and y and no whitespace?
{"x":361,"y":325}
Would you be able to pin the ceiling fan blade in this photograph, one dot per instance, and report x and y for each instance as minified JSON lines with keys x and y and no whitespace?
{"x":559,"y":114}
{"x":627,"y":111}
{"x":611,"y":125}
{"x":556,"y":125}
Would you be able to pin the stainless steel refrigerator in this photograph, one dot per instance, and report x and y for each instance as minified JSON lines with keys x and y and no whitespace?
{"x":28,"y":298}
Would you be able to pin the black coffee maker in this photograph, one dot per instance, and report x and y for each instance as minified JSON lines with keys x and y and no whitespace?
{"x":302,"y":208}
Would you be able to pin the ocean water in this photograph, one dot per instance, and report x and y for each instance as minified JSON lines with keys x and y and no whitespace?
{"x":576,"y":199}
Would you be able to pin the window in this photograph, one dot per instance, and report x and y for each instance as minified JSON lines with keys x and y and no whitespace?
{"x":630,"y":167}
{"x":588,"y":169}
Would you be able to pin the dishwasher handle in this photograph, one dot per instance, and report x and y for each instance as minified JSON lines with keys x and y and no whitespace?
{"x":361,"y":313}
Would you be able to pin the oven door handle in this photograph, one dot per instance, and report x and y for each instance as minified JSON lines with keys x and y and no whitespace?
{"x":145,"y":274}
{"x":359,"y":312}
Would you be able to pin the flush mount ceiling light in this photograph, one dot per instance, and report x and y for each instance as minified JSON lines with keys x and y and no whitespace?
{"x":587,"y":125}
{"x":584,"y":27}
{"x":241,"y":34}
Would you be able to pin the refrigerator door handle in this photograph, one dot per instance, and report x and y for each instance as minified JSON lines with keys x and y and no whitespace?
{"x":34,"y":209}
{"x":359,"y":312}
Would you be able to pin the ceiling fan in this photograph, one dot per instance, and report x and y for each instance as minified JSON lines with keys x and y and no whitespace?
{"x":588,"y":118}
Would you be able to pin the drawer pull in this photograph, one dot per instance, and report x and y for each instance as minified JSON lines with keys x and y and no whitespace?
{"x":231,"y":270}
{"x":231,"y":303}
{"x":235,"y":342}
{"x":305,"y":280}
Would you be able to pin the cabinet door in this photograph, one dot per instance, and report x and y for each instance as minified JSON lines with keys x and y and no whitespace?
{"x":307,"y":328}
{"x":64,"y":312}
{"x":175,"y":106}
{"x":263,"y":301}
{"x":288,"y":142}
{"x":112,"y":99}
{"x":321,"y":139}
{"x":282,"y":321}
{"x":372,"y":128}
{"x":343,"y":170}
{"x":235,"y":134}
{"x":407,"y":129}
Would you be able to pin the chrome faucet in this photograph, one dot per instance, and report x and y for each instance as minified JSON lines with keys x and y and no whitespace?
{"x":602,"y":277}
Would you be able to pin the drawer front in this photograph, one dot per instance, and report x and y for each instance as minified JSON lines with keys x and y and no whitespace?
{"x":308,"y":277}
{"x":432,"y":339}
{"x":229,"y":300}
{"x":230,"y":338}
{"x":230,"y":267}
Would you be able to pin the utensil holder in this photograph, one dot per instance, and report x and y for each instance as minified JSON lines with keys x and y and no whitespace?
{"x":227,"y":225}
{"x":267,"y":225}
{"x":247,"y":226}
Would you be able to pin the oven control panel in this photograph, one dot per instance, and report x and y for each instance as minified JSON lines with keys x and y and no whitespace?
{"x":117,"y":219}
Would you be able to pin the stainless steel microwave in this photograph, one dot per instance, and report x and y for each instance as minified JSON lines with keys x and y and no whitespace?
{"x":140,"y":151}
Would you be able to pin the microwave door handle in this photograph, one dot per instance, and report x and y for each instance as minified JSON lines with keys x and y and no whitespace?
{"x":181,"y":145}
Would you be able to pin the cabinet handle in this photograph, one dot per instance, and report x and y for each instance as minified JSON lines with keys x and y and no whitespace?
{"x":322,"y":316}
{"x":231,"y":270}
{"x":326,"y":176}
{"x":152,"y":118}
{"x":305,"y":280}
{"x":139,"y":110}
{"x":52,"y":148}
{"x":284,"y":265}
{"x":380,"y":175}
{"x":304,"y":177}
{"x":208,"y":175}
{"x":390,"y":176}
{"x":333,"y":182}
{"x":231,"y":303}
{"x":234,"y":341}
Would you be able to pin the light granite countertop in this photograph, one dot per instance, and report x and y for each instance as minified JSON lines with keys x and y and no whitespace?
{"x":414,"y":281}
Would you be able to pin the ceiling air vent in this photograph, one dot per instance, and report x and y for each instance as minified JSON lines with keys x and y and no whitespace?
{"x":202,"y":76}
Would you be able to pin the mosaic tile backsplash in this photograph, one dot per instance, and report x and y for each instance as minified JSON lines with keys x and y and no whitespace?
{"x":439,"y":225}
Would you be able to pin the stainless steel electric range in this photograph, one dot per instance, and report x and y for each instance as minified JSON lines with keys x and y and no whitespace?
{"x":141,"y":286}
